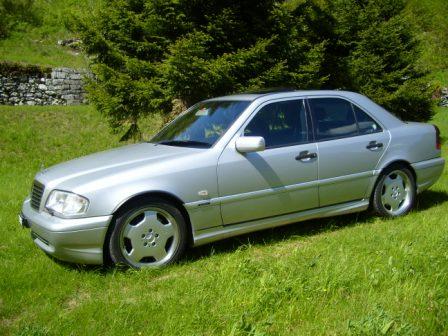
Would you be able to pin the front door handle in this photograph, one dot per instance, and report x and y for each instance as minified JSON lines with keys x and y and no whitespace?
{"x":374,"y":145}
{"x":306,"y":156}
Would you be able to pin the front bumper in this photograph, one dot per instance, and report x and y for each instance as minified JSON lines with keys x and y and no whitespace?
{"x":77,"y":240}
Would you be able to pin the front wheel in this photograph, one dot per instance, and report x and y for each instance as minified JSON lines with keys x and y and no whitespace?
{"x":394,"y":194}
{"x":149,"y":234}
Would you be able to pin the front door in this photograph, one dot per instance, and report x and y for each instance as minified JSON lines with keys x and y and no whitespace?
{"x":279,"y":180}
{"x":350,"y":144}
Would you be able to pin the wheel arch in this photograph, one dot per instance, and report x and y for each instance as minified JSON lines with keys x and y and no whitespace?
{"x":134,"y":199}
{"x":399,"y":162}
{"x":392,"y":165}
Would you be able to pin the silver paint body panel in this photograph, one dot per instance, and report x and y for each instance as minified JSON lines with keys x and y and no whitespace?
{"x":226,"y":192}
{"x":269,"y":183}
{"x":74,"y":240}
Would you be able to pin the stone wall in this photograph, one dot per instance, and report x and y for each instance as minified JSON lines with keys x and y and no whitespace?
{"x":443,"y":97}
{"x":41,"y":86}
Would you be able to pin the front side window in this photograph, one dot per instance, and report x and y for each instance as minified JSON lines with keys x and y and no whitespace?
{"x":333,"y":118}
{"x":280,"y":124}
{"x":202,"y":125}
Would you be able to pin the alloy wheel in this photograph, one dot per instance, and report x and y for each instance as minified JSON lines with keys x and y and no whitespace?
{"x":149,"y":237}
{"x":396,"y":192}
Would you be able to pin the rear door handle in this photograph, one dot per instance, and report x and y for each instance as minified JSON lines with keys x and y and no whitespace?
{"x":306,"y":156}
{"x":374,"y":145}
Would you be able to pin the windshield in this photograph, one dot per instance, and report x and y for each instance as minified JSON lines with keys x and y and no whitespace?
{"x":202,"y":125}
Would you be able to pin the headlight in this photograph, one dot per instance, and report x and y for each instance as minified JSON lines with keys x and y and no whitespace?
{"x":66,"y":203}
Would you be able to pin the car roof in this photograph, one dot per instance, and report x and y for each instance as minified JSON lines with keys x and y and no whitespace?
{"x":385,"y":118}
{"x":251,"y":96}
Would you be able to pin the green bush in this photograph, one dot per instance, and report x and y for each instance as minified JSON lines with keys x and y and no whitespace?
{"x":21,"y":69}
{"x":377,"y":51}
{"x":147,"y":53}
{"x":15,"y":13}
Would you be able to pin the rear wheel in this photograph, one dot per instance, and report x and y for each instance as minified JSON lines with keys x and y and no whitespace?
{"x":150,"y":234}
{"x":394,"y":194}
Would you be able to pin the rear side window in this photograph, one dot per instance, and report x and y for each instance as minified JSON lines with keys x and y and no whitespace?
{"x":365,"y":123}
{"x":333,"y":118}
{"x":280,"y":124}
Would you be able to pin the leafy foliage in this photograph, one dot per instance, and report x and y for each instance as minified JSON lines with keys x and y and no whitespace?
{"x":375,"y":51}
{"x":430,"y":17}
{"x":148,"y":53}
{"x":15,"y":13}
{"x":21,"y":69}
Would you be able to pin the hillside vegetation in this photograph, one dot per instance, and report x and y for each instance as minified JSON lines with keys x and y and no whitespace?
{"x":356,"y":274}
{"x":431,"y":17}
{"x":349,"y":275}
{"x":38,"y":44}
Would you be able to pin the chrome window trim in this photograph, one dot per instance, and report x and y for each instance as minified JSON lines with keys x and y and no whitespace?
{"x":383,"y":129}
{"x":240,"y":131}
{"x":352,"y":102}
{"x":363,"y":111}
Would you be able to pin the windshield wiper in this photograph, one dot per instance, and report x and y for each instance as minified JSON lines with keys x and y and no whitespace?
{"x":185,"y":143}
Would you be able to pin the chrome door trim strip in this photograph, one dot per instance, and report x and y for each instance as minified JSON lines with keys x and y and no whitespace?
{"x":428,"y":163}
{"x":277,"y":190}
{"x":251,"y":194}
{"x":205,"y":236}
{"x":332,"y":180}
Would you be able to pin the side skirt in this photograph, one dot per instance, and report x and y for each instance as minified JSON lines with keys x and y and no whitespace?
{"x":206,"y":236}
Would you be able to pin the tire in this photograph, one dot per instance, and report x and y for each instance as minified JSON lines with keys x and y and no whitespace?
{"x":394,"y":193}
{"x":150,"y":233}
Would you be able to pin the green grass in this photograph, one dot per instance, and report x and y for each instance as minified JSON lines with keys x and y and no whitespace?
{"x":431,"y":19}
{"x":354,"y":274}
{"x":35,"y":49}
{"x":38,"y":44}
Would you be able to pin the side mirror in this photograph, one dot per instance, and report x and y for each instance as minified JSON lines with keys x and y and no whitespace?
{"x":248,"y":144}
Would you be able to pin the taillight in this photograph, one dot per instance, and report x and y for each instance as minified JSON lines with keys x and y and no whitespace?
{"x":438,"y":140}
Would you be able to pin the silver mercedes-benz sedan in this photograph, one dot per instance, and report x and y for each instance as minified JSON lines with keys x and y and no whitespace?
{"x":232,"y":165}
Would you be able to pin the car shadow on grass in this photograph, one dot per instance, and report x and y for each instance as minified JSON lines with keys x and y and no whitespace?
{"x":429,"y":199}
{"x":271,"y":236}
{"x":426,"y":200}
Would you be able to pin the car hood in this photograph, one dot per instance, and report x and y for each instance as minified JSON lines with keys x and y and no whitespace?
{"x":110,"y":162}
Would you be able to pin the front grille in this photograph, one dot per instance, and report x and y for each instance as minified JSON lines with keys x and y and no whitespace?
{"x":36,"y":195}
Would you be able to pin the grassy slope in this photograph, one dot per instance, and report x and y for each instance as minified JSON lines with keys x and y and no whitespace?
{"x":38,"y":45}
{"x":431,"y":17}
{"x":335,"y":276}
{"x":352,"y":274}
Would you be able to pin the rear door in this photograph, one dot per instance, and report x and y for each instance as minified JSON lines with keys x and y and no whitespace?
{"x":350,"y":144}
